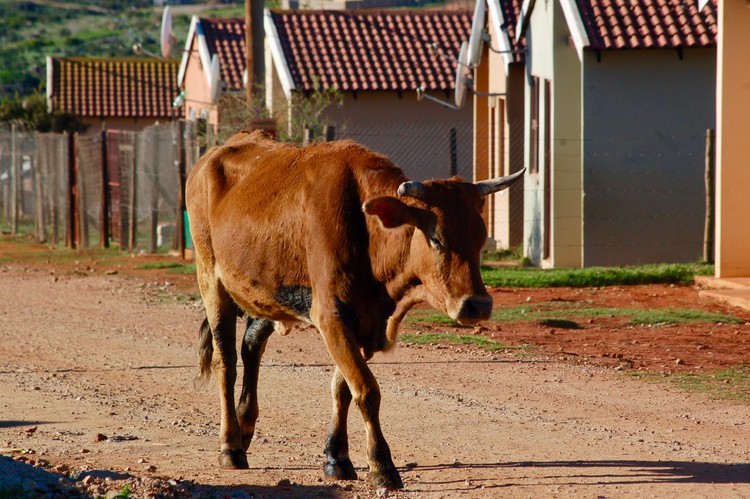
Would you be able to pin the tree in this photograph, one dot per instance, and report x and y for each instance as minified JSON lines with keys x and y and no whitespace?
{"x":31,"y":112}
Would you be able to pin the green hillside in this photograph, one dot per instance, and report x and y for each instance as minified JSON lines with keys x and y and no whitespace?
{"x":31,"y":30}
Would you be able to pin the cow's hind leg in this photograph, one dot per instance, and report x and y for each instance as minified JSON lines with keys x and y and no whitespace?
{"x":253,"y":346}
{"x":221,"y":315}
{"x":338,"y":464}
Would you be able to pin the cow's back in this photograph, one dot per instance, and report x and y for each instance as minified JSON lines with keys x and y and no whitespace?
{"x":257,"y":207}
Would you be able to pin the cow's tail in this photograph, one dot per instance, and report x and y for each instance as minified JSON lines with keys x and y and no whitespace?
{"x":205,"y":353}
{"x":391,"y":333}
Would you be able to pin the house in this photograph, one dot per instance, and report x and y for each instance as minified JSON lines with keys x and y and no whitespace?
{"x":619,"y":95}
{"x":375,"y":60}
{"x":498,"y":89}
{"x":116,"y":93}
{"x":733,"y":148}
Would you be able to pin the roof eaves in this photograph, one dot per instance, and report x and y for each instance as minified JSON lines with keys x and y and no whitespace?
{"x":197,"y":35}
{"x":277,"y":53}
{"x":497,"y":20}
{"x":203,"y":51}
{"x":575,"y":25}
{"x":186,"y":52}
{"x":523,"y":19}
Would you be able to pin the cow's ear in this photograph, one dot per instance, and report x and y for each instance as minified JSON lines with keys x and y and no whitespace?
{"x":391,"y":212}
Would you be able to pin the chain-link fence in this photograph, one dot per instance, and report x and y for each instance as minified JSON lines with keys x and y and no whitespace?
{"x":438,"y":150}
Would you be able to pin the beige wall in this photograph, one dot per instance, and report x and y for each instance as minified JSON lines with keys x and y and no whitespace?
{"x":733,"y":146}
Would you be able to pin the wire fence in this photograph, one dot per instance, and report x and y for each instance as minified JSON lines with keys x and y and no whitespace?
{"x":124,"y":188}
{"x":117,"y":187}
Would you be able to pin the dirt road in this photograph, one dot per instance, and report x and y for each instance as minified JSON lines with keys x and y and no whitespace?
{"x":96,"y":389}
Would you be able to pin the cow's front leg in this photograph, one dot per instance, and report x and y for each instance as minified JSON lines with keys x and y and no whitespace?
{"x":338,"y":464}
{"x":364,"y":389}
{"x":253,"y":346}
{"x":224,"y":367}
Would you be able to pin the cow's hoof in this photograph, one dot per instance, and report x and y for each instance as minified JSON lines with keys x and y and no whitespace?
{"x":233,"y":459}
{"x":386,"y":479}
{"x":341,"y":470}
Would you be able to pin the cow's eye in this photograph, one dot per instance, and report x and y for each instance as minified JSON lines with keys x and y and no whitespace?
{"x":435,"y":243}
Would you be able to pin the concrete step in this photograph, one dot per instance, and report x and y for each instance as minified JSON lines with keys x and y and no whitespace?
{"x":734,"y":291}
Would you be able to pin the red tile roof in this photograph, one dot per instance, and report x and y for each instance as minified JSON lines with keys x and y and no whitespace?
{"x":643,"y":24}
{"x":114,"y":87}
{"x":226,"y":38}
{"x":511,"y":10}
{"x":351,"y":50}
{"x":388,"y":50}
{"x":371,"y":50}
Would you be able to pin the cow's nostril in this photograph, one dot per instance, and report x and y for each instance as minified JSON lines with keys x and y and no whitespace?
{"x":475,"y":308}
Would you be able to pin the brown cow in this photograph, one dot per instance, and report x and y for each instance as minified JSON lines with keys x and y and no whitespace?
{"x":336,"y":236}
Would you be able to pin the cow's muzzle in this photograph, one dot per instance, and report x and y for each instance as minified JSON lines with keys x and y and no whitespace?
{"x":474,"y":309}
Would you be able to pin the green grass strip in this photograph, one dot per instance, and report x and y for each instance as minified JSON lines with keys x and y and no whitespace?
{"x":533,"y":277}
{"x":174,"y":267}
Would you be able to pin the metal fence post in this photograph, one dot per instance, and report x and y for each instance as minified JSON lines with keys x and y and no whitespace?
{"x":13,"y":179}
{"x":453,"y":152}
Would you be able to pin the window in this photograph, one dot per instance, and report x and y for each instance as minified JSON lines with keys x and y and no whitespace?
{"x":534,"y":132}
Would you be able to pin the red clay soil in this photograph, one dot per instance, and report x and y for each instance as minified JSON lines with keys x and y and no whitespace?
{"x":691,"y":346}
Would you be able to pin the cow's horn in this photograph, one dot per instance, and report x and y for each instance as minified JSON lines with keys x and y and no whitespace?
{"x":412,"y":189}
{"x":498,"y":184}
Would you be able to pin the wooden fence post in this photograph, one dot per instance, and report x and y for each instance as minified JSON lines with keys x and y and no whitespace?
{"x":104,"y":230}
{"x":41,"y":229}
{"x":82,"y":213}
{"x":70,"y":215}
{"x":132,"y":218}
{"x":307,"y":136}
{"x":708,"y":232}
{"x":330,"y":132}
{"x":153,"y":152}
{"x":181,"y":177}
{"x":54,"y":171}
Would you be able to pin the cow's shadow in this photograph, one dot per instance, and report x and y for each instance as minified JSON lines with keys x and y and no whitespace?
{"x":598,"y":472}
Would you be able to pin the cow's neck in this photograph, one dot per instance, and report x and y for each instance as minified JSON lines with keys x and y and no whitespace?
{"x":389,"y":255}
